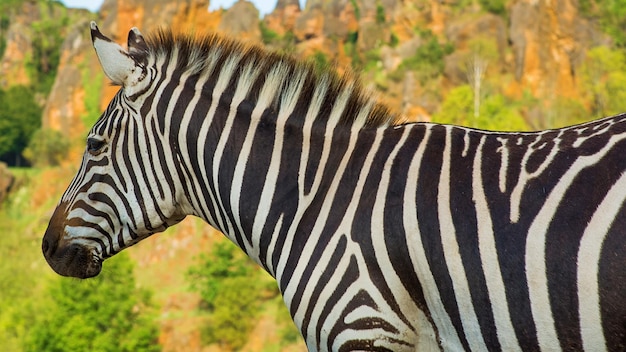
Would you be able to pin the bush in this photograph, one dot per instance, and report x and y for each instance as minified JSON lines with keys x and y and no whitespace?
{"x":232,"y":290}
{"x":105,"y":313}
{"x":20,"y":116}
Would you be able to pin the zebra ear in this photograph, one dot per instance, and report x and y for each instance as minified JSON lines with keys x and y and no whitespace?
{"x":122,"y":67}
{"x":137,"y":47}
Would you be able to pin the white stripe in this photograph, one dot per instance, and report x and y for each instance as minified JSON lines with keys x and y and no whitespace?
{"x":525,"y":177}
{"x":193,"y":182}
{"x":589,"y":253}
{"x":399,"y":291}
{"x":246,"y":79}
{"x":449,"y":337}
{"x":288,"y":103}
{"x":489,"y":258}
{"x":536,"y":249}
{"x":338,"y":108}
{"x":222,"y":83}
{"x":453,"y":257}
{"x":504,"y":162}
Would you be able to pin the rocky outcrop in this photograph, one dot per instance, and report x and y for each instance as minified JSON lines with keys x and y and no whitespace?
{"x":241,"y":21}
{"x":18,"y":47}
{"x":25,"y":28}
{"x":549,"y":39}
{"x":541,"y":43}
{"x":66,"y":103}
{"x":283,"y":19}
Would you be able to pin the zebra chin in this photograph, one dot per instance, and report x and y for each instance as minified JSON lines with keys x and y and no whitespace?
{"x":65,"y":257}
{"x":73,"y":260}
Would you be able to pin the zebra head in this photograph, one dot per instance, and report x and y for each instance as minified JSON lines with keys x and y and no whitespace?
{"x":113,"y":202}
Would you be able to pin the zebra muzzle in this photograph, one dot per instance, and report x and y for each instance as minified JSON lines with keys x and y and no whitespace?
{"x":65,"y":257}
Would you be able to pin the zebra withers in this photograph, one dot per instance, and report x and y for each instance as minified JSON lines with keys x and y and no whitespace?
{"x":381,"y":235}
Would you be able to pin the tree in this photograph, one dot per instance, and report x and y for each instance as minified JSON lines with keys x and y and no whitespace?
{"x":603,"y":77}
{"x":106,"y":313}
{"x":457,"y":106}
{"x":20,"y":116}
{"x":482,"y":51}
{"x":496,"y":113}
{"x":232,"y":289}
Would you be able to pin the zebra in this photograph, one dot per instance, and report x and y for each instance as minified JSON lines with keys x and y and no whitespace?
{"x":382,"y":235}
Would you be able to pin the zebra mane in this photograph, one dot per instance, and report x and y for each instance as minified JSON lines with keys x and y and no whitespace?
{"x":194,"y":52}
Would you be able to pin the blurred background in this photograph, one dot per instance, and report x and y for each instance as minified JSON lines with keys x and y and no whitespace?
{"x":490,"y":64}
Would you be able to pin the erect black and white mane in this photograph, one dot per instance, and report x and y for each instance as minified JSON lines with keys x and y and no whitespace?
{"x":206,"y":54}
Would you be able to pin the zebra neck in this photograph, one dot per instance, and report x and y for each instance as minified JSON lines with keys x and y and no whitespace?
{"x":263,"y":176}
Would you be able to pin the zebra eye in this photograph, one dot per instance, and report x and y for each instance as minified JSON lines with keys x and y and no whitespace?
{"x":94,"y":146}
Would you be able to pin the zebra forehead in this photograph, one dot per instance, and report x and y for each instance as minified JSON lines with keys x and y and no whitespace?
{"x":194,"y":53}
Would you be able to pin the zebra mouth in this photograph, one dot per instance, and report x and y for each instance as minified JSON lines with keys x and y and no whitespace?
{"x":71,"y":259}
{"x":66,"y":257}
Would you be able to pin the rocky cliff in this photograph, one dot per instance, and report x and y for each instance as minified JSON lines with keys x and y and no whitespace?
{"x":539,"y":44}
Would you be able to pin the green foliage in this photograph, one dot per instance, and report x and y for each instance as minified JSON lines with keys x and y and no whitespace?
{"x":231,"y":289}
{"x":380,"y":13}
{"x":20,"y":116}
{"x":48,"y":34}
{"x":565,"y":112}
{"x":427,"y":62}
{"x":284,"y":43}
{"x":234,"y":315}
{"x":20,"y":275}
{"x":612,"y":17}
{"x":268,"y":36}
{"x":46,"y":148}
{"x":485,"y":47}
{"x":357,"y":10}
{"x":496,"y":113}
{"x":457,"y":107}
{"x":92,"y":83}
{"x":497,"y":7}
{"x":393,"y":40}
{"x":106,"y":313}
{"x":320,"y":60}
{"x":603,"y":78}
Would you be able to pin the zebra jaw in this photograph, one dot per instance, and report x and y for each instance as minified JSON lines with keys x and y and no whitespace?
{"x":125,"y":68}
{"x":67,"y":257}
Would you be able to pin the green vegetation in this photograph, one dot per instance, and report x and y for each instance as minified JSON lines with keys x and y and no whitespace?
{"x":268,"y":36}
{"x":611,"y":16}
{"x":106,"y":313}
{"x":233,"y":290}
{"x":496,"y":113}
{"x":20,"y":117}
{"x":497,"y":7}
{"x":380,"y":13}
{"x":48,"y":34}
{"x":44,"y":312}
{"x":427,"y":62}
{"x":357,"y":10}
{"x":20,"y":267}
{"x":320,"y":60}
{"x":603,"y":78}
{"x":92,"y":82}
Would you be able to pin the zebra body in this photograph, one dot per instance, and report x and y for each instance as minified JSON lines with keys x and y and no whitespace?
{"x":381,"y":236}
